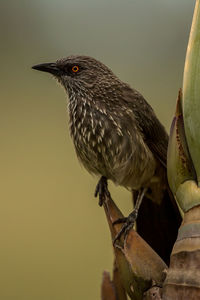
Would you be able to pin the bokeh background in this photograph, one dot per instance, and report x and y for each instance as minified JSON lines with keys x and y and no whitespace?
{"x":54,"y":240}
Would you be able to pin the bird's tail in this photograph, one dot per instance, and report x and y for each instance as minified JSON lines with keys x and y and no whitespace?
{"x":159,"y":217}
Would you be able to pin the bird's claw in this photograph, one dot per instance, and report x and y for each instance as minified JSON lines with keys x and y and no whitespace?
{"x":128,"y":224}
{"x":102,"y":190}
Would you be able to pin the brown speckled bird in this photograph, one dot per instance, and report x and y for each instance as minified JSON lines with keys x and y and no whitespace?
{"x":117,"y":136}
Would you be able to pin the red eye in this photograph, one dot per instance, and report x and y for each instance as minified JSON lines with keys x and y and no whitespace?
{"x":75,"y":69}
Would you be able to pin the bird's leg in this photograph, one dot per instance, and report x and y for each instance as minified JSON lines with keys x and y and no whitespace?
{"x":130,"y":220}
{"x":102,"y":190}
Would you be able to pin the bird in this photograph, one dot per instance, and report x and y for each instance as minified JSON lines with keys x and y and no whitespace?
{"x":117,"y":136}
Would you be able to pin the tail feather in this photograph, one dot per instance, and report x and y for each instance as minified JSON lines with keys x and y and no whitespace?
{"x":159,"y":219}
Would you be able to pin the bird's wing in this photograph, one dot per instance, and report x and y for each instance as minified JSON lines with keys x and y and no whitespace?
{"x":153,"y":131}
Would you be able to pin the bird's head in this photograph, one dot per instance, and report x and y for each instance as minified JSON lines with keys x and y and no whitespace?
{"x":80,"y":74}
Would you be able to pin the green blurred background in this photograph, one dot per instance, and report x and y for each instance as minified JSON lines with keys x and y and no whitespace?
{"x":54,"y":238}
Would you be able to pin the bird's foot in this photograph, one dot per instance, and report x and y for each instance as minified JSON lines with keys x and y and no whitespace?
{"x":102,"y":190}
{"x":128,"y":224}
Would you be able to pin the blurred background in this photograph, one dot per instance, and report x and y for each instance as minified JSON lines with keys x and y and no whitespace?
{"x":54,"y":240}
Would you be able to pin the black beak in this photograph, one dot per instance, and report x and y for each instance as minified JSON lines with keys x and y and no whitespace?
{"x":48,"y":67}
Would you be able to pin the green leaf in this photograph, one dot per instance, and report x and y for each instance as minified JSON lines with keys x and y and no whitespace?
{"x":191,"y":92}
{"x":180,"y":170}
